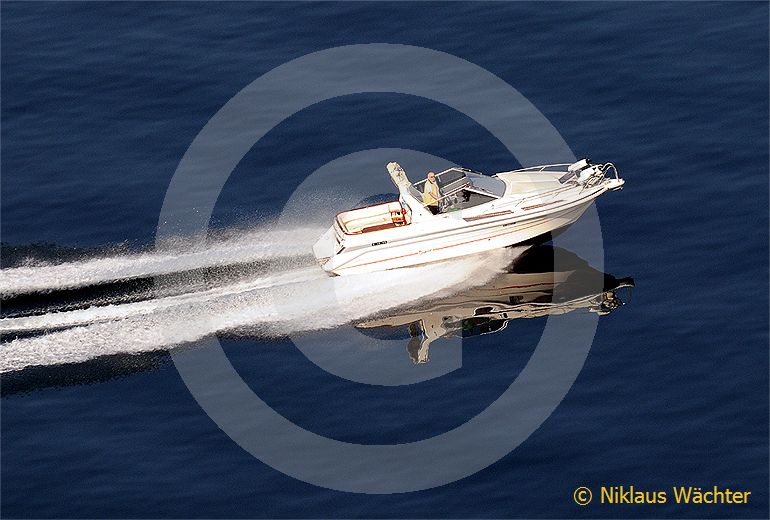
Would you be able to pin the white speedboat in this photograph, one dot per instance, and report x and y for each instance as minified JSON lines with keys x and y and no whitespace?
{"x":477,"y":213}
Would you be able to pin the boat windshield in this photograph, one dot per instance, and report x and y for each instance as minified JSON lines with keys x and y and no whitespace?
{"x":461,"y":189}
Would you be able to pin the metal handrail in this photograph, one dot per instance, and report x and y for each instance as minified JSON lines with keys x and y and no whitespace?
{"x":537,"y":168}
{"x":605,"y":167}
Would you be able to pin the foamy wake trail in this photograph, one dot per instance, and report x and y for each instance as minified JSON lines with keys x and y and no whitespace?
{"x":58,"y":320}
{"x":294,"y":301}
{"x":248,"y":247}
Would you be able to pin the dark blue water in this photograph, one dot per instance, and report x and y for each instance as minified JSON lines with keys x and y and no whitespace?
{"x":100,"y":102}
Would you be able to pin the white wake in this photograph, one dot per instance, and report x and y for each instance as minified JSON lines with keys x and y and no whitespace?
{"x":282,"y":303}
{"x":244,"y":248}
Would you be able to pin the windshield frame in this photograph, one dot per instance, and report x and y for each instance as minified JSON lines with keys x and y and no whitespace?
{"x":464,"y":184}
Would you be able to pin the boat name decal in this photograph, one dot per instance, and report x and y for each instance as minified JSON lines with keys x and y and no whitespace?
{"x":379,"y":243}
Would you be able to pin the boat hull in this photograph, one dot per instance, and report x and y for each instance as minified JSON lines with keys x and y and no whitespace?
{"x":469,"y":241}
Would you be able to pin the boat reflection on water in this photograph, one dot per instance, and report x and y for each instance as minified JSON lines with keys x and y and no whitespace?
{"x":531,"y":287}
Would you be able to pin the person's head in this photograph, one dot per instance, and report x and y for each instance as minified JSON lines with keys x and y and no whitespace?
{"x":431,"y":177}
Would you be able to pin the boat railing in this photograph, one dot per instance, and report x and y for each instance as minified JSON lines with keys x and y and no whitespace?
{"x":541,"y":168}
{"x":550,"y":194}
{"x":544,"y":168}
{"x":609,"y":166}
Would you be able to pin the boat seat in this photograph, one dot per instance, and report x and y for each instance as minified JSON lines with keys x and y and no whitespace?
{"x":378,"y":228}
{"x":373,"y":218}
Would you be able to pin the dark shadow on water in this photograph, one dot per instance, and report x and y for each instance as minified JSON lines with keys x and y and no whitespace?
{"x":99,"y":370}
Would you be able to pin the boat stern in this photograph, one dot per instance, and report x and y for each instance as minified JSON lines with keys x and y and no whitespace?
{"x":325,"y":248}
